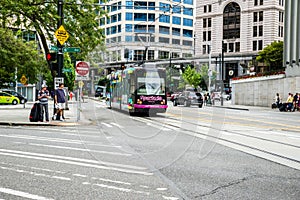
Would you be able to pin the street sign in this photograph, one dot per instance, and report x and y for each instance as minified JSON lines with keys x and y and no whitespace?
{"x":61,"y":35}
{"x":71,"y":49}
{"x":54,"y":48}
{"x":67,"y":70}
{"x":23,"y":79}
{"x":82,"y":68}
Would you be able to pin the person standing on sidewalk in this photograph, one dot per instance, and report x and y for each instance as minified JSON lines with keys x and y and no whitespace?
{"x":43,"y":97}
{"x":59,"y":100}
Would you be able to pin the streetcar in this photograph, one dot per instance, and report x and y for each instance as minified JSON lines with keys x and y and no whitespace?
{"x":139,"y":90}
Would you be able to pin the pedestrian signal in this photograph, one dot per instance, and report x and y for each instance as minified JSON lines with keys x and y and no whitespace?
{"x":51,"y":56}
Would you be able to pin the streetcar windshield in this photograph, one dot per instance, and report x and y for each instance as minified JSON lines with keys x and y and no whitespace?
{"x":150,"y":86}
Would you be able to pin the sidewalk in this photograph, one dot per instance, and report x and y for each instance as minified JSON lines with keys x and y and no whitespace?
{"x":18,"y":115}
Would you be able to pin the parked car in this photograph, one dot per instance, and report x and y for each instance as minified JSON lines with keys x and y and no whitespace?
{"x":188,"y":98}
{"x":174,"y":95}
{"x":21,"y":98}
{"x":6,"y":98}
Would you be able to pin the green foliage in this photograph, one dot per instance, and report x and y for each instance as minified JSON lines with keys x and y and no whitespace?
{"x":15,"y":55}
{"x":69,"y":77}
{"x":80,"y":20}
{"x":192,"y":77}
{"x":272,"y":55}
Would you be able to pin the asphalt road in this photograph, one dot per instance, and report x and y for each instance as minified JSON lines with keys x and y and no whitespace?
{"x":187,"y":153}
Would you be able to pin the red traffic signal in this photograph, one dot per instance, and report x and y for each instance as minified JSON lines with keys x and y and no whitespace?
{"x":51,"y":56}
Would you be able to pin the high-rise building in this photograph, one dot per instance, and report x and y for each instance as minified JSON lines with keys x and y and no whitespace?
{"x":244,"y":27}
{"x":148,"y":30}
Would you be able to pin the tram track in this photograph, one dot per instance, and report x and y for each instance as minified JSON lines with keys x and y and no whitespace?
{"x":222,"y":138}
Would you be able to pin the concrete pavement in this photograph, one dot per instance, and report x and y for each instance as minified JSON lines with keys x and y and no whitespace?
{"x":18,"y":115}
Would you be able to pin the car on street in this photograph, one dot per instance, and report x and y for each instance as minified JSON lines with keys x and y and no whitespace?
{"x":6,"y":98}
{"x":100,"y":91}
{"x":189,"y":98}
{"x":21,"y":98}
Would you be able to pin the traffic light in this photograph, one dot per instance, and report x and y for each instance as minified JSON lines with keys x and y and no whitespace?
{"x":51,"y":57}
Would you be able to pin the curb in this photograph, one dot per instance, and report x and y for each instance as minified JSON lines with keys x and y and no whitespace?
{"x":233,"y":108}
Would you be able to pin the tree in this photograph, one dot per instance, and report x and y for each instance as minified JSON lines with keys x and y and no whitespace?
{"x":81,"y":20}
{"x":192,"y":77}
{"x":272,"y":55}
{"x":21,"y":57}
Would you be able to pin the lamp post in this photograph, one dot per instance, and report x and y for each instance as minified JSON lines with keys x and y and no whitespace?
{"x":60,"y":55}
{"x":222,"y":74}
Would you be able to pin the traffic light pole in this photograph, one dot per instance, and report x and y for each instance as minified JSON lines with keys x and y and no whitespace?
{"x":60,"y":54}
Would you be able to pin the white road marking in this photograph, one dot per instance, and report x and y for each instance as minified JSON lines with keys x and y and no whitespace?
{"x":80,"y":149}
{"x":170,"y":198}
{"x":122,"y":189}
{"x":68,"y":141}
{"x":117,"y":125}
{"x":161,"y":189}
{"x":22,"y":194}
{"x":107,"y":125}
{"x":78,"y":162}
{"x":111,"y":181}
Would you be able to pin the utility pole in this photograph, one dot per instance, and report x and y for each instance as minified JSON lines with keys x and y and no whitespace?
{"x":222,"y":74}
{"x":60,"y":54}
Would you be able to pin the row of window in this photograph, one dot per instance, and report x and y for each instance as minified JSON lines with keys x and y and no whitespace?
{"x":150,"y":17}
{"x":137,"y":55}
{"x":162,"y":29}
{"x":166,"y":40}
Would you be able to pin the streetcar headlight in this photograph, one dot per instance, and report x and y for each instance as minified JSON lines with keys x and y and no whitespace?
{"x":163,"y":102}
{"x":139,"y":101}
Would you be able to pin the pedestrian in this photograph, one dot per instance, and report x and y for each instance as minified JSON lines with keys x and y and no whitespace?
{"x":43,"y":97}
{"x":71,"y":95}
{"x":295,"y":102}
{"x":59,"y":100}
{"x":289,"y":102}
{"x":277,"y":100}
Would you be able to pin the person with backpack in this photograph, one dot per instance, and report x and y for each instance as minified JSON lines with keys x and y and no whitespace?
{"x":43,"y":97}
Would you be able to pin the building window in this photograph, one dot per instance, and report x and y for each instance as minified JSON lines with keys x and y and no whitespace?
{"x":260,"y":45}
{"x":261,"y":16}
{"x":129,"y":4}
{"x":140,"y":28}
{"x":237,"y":47}
{"x":204,"y":36}
{"x":281,"y":16}
{"x":187,"y":22}
{"x":187,"y":43}
{"x":164,"y":18}
{"x":164,"y":40}
{"x":176,"y":20}
{"x":254,"y":31}
{"x":231,"y":21}
{"x":151,"y":17}
{"x":190,"y":2}
{"x":280,"y":31}
{"x":258,"y":2}
{"x":150,"y":54}
{"x":164,"y":30}
{"x":260,"y":31}
{"x":207,"y":8}
{"x":187,"y":33}
{"x":208,"y":35}
{"x":128,"y":27}
{"x":176,"y":31}
{"x":140,"y":17}
{"x":151,"y":28}
{"x":204,"y":22}
{"x":187,"y":11}
{"x":176,"y":41}
{"x":204,"y":49}
{"x":163,"y":54}
{"x":129,"y":16}
{"x":209,"y":22}
{"x":281,"y":2}
{"x":164,"y":7}
{"x":255,"y":17}
{"x":254,"y":46}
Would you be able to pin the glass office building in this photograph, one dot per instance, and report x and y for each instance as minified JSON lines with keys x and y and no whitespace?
{"x":150,"y":30}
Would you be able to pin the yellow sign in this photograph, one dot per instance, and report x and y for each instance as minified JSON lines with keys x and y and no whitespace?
{"x":23,"y":79}
{"x":61,"y":35}
{"x":80,"y":84}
